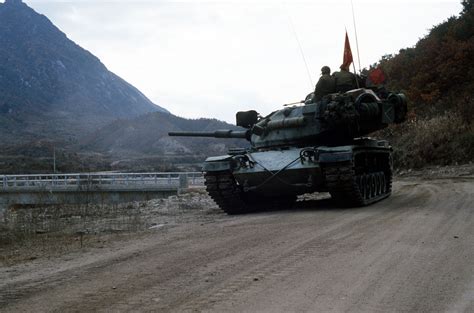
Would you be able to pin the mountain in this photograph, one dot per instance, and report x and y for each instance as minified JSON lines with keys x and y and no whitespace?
{"x":57,"y":99}
{"x":52,"y":88}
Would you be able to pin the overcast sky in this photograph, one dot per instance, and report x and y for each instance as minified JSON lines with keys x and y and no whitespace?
{"x":214,"y":58}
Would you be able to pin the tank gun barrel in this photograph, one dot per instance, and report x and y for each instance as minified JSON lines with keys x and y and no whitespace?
{"x":226,"y":133}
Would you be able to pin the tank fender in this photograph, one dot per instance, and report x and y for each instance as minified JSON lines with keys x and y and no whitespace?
{"x":219,"y":163}
{"x":332,"y":155}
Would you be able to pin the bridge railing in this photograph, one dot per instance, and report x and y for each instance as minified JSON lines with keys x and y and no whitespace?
{"x":106,"y":180}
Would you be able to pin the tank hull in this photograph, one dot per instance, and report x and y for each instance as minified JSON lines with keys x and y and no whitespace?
{"x":355,"y":174}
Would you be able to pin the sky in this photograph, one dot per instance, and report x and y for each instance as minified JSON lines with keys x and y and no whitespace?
{"x":214,"y":58}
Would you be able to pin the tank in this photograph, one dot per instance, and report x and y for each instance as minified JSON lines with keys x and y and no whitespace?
{"x":307,"y":148}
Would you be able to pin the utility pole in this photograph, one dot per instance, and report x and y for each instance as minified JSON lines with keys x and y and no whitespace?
{"x":54,"y":159}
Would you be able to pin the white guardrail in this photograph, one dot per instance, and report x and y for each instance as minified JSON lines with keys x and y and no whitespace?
{"x":106,"y":180}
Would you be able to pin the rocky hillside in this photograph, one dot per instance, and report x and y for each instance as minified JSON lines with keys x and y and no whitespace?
{"x":52,"y":88}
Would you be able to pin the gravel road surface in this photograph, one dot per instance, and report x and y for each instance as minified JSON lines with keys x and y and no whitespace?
{"x":413,"y":252}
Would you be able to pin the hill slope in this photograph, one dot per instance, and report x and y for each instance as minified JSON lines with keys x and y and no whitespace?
{"x":440,"y":66}
{"x":437,"y":74}
{"x":45,"y":77}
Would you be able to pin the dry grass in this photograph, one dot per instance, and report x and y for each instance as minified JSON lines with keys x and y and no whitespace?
{"x":29,"y":232}
{"x":32,"y":232}
{"x":441,"y":140}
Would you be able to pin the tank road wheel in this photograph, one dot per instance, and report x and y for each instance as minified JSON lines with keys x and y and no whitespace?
{"x":368,"y":186}
{"x":350,"y":189}
{"x":373,"y":185}
{"x":383,"y":183}
{"x":377,"y":184}
{"x":224,"y":190}
{"x":362,"y":184}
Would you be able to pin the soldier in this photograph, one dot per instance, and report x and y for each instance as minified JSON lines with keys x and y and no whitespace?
{"x":326,"y":84}
{"x":345,"y":80}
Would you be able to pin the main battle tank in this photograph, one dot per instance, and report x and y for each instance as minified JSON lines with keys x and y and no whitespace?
{"x":315,"y":147}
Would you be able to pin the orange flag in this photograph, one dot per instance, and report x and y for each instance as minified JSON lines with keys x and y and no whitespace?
{"x":347,"y":54}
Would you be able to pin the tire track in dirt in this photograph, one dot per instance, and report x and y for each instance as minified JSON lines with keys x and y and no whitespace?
{"x":316,"y":247}
{"x":391,"y":268}
{"x":214,"y":266}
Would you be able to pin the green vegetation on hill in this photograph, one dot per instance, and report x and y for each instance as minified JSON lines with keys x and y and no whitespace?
{"x":437,"y":74}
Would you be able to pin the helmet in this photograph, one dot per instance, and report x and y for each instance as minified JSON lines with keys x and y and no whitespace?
{"x":325,"y":70}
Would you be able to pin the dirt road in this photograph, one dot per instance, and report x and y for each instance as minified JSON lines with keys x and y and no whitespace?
{"x":413,"y":252}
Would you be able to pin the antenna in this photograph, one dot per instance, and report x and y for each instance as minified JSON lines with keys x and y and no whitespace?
{"x":292,"y":26}
{"x":355,"y":30}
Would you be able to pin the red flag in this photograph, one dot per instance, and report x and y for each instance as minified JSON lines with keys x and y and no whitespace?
{"x":377,"y":77}
{"x":347,"y":54}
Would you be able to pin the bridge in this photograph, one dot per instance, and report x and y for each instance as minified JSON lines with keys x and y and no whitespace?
{"x":106,"y":188}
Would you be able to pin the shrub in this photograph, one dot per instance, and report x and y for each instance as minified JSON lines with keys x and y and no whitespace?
{"x":440,"y":140}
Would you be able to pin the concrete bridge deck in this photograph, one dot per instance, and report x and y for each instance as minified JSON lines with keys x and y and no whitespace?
{"x":84,"y":188}
{"x":103,"y":181}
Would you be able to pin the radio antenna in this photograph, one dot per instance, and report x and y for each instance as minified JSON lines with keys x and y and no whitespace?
{"x":292,"y":26}
{"x":355,"y":30}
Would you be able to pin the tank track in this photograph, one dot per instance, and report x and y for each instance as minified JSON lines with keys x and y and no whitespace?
{"x":223,"y":189}
{"x":351,"y":189}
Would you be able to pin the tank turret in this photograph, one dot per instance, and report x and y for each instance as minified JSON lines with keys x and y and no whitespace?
{"x":307,"y":148}
{"x":334,"y":120}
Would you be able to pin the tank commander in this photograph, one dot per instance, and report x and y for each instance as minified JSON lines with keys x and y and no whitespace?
{"x":326,"y":84}
{"x":345,"y":80}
